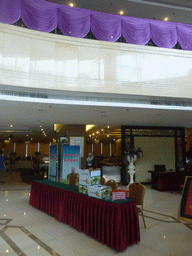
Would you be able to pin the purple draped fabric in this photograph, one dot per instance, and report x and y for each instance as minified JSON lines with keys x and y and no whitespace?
{"x":164,"y":34}
{"x":10,"y":11}
{"x":106,"y":26}
{"x":39,"y":15}
{"x":136,"y":31}
{"x":74,"y":22}
{"x":184,"y":33}
{"x":45,"y":16}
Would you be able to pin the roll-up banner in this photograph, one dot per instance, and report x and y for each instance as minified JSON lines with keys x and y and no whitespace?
{"x":70,"y":161}
{"x":53,"y":155}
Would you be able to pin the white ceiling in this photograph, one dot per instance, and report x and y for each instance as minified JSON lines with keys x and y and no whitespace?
{"x":176,"y":10}
{"x":26,"y":118}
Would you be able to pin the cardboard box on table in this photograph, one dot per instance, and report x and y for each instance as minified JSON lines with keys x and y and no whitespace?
{"x":99,"y":191}
{"x":83,"y":189}
{"x":89,"y":177}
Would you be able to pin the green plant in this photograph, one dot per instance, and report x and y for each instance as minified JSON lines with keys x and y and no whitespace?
{"x":132,"y":151}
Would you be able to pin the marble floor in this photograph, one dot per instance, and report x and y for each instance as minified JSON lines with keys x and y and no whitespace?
{"x":25,"y":230}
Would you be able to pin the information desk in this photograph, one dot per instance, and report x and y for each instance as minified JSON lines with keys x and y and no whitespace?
{"x":165,"y":181}
{"x":113,"y":223}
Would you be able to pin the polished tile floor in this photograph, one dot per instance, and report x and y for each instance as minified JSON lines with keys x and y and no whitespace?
{"x":25,"y":230}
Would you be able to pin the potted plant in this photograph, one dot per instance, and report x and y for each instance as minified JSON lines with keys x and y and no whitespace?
{"x":132,"y":154}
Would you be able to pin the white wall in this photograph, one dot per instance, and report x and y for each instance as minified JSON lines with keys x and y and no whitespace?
{"x":47,"y":61}
{"x":157,"y":150}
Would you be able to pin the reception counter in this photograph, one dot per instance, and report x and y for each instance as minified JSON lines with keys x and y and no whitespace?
{"x":114,"y":223}
{"x":165,"y":181}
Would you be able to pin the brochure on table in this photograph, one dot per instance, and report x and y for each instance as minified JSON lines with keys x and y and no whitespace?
{"x":70,"y":161}
{"x":53,"y":155}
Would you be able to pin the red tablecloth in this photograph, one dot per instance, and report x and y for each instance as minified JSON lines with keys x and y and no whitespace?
{"x":116,"y":225}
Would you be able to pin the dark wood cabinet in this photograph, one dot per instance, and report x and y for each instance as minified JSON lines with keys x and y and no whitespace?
{"x":165,"y":181}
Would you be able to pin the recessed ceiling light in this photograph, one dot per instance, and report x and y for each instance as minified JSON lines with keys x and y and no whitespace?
{"x":11,"y":125}
{"x":108,"y":126}
{"x":166,"y":19}
{"x":71,"y":4}
{"x":121,"y":12}
{"x":27,"y":135}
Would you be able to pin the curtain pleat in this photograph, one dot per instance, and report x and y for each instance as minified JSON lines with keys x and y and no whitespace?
{"x":164,"y":34}
{"x":74,"y":22}
{"x":39,"y":15}
{"x":184,"y":33}
{"x":136,"y":31}
{"x":106,"y":27}
{"x":10,"y":11}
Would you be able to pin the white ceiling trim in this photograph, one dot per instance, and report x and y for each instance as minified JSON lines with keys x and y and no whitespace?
{"x":93,"y":103}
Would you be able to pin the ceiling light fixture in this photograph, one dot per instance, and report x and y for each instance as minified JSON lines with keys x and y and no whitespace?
{"x":121,"y":12}
{"x":71,"y":4}
{"x":166,"y":19}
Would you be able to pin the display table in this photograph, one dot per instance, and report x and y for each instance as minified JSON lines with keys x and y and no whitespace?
{"x":165,"y":181}
{"x":113,"y":223}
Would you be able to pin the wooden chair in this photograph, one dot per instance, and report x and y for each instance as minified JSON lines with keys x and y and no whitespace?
{"x":73,"y":179}
{"x":112,"y":183}
{"x":137,"y":192}
{"x":103,"y":181}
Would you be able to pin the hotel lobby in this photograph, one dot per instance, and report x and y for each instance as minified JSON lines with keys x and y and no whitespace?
{"x":102,"y":76}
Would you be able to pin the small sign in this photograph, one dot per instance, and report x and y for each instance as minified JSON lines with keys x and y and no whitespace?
{"x":118,"y":195}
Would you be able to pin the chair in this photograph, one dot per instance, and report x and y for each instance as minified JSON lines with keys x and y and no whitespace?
{"x":137,"y":192}
{"x":73,"y":179}
{"x":112,"y":183}
{"x":103,"y":181}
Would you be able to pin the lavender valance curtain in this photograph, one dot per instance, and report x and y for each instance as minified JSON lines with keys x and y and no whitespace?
{"x":45,"y":16}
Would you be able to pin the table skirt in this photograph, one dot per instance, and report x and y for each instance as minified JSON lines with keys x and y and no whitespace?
{"x":116,"y":225}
